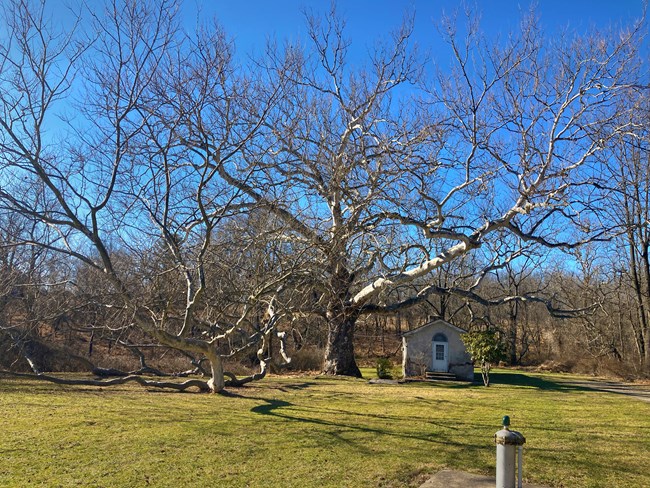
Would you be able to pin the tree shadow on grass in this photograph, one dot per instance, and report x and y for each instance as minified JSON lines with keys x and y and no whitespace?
{"x":270,"y":406}
{"x":524,"y":380}
{"x":569,"y":384}
{"x":519,"y":379}
{"x":298,"y":386}
{"x":273,"y":407}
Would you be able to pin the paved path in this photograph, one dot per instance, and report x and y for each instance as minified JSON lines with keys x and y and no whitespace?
{"x":460,"y":479}
{"x":634,"y":390}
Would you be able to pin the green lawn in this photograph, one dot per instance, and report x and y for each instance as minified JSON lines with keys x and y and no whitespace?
{"x":312,"y":431}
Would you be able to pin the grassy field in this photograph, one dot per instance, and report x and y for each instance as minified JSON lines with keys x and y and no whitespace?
{"x":316,"y":432}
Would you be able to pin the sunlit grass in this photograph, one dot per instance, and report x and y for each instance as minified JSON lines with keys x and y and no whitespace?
{"x":313,"y":431}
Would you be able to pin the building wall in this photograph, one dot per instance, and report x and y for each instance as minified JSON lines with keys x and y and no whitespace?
{"x":418,"y":352}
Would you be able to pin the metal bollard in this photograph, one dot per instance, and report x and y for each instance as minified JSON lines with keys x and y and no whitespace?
{"x":508,"y":443}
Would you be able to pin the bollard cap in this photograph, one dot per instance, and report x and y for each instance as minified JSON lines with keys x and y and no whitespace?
{"x":508,"y":437}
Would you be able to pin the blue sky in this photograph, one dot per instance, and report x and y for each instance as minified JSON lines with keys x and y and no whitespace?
{"x":250,"y":22}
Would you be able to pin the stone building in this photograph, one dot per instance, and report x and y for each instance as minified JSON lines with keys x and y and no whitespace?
{"x":436,"y":347}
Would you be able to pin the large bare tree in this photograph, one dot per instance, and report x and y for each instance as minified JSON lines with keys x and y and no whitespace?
{"x":324,"y":162}
{"x":388,"y":182}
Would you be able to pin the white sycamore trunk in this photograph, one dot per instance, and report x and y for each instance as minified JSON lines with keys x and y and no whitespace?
{"x":217,"y":382}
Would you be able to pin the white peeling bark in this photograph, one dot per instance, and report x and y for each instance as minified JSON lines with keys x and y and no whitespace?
{"x":217,"y":382}
{"x":473,"y":241}
{"x":423,"y":269}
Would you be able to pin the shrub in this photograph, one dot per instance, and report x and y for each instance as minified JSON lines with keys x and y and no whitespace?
{"x":384,"y":369}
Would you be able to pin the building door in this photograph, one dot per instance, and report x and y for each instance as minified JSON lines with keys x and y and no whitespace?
{"x":440,"y":347}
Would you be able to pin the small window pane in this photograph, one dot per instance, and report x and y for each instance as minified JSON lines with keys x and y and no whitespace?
{"x":440,"y":352}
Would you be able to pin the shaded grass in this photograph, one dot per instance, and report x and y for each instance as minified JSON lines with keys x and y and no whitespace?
{"x":314,"y":431}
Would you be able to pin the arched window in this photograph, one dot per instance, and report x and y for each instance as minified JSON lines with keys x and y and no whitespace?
{"x":440,"y":337}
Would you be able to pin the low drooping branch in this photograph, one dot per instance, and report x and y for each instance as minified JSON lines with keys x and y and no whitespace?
{"x":193,"y":383}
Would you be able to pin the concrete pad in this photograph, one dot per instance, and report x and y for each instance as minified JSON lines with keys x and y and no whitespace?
{"x":459,"y":479}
